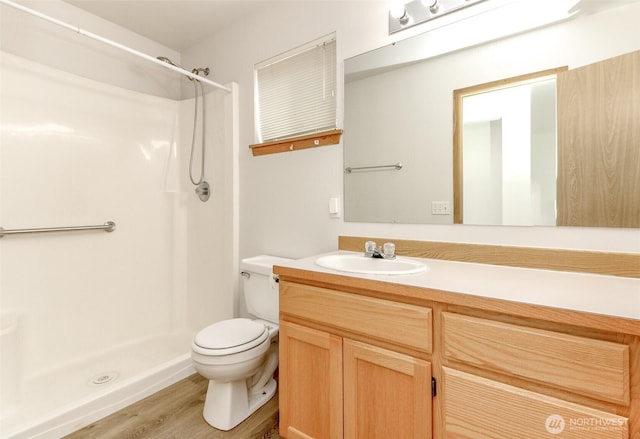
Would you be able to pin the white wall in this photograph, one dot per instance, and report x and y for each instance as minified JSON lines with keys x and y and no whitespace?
{"x":284,"y":197}
{"x":482,"y":184}
{"x":46,"y":43}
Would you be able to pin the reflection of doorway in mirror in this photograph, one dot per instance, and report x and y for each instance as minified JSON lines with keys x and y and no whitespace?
{"x":505,"y":151}
{"x":509,"y":154}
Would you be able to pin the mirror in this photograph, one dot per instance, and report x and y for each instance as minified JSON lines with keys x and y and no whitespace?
{"x":504,"y":151}
{"x":399,"y":106}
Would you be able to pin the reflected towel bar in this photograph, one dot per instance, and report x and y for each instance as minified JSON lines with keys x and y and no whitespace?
{"x":396,"y":167}
{"x":109,"y":226}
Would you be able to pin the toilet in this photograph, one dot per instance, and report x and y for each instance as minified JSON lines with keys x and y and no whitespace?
{"x":239,"y":356}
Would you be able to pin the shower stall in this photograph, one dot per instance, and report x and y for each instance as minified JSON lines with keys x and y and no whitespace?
{"x":92,"y":321}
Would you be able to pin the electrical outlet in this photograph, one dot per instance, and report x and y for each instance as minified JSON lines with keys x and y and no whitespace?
{"x":440,"y":208}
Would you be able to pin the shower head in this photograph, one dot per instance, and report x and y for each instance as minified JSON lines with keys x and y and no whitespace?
{"x":168,"y":61}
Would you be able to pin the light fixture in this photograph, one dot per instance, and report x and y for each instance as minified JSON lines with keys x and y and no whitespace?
{"x":433,"y":7}
{"x":403,"y":16}
{"x":398,"y":12}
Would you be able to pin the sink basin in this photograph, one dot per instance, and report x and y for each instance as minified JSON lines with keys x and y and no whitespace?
{"x":364,"y":265}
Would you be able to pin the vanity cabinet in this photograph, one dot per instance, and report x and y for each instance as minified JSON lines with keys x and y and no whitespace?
{"x":369,"y":359}
{"x":340,"y":375}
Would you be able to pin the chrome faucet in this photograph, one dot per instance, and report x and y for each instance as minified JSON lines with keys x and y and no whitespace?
{"x":387,"y":251}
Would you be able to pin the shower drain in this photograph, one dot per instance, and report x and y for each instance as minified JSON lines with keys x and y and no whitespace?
{"x":102,"y":378}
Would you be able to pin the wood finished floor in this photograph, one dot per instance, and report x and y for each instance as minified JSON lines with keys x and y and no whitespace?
{"x":176,"y":413}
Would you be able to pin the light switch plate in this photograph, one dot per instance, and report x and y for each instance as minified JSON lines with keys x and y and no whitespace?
{"x":334,"y":207}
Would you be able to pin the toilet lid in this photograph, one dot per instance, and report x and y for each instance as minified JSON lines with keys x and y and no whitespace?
{"x":234,"y":335}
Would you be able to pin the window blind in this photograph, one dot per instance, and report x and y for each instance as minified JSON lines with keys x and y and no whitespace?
{"x":296,"y":92}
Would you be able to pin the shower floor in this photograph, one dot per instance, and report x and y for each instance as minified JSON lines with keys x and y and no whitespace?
{"x":67,"y":398}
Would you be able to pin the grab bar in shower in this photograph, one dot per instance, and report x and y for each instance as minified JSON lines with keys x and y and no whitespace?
{"x":395,"y":166}
{"x":109,"y":226}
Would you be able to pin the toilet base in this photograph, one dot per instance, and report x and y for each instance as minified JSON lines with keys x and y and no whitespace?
{"x":228,"y":404}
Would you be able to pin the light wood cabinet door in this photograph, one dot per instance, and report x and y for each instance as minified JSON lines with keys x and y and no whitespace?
{"x":310,"y":383}
{"x":386,"y":394}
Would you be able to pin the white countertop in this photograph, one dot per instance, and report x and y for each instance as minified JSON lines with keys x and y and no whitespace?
{"x":609,"y":295}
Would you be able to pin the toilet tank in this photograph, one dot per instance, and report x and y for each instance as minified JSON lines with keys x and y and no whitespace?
{"x":260,"y":289}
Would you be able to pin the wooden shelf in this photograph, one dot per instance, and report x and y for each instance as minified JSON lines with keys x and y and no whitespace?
{"x":296,"y":143}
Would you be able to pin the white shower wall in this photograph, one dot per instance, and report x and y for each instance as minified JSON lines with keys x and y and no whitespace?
{"x":79,"y":152}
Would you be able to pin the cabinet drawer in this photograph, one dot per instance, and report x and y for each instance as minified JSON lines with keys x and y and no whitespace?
{"x":590,"y":367}
{"x":476,"y":407}
{"x":398,"y":323}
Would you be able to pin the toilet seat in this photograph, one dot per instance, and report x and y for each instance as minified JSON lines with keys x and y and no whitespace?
{"x":231,"y":336}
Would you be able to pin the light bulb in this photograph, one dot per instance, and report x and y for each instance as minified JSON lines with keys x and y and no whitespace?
{"x":398,"y":11}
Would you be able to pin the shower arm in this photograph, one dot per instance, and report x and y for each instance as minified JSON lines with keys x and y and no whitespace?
{"x":114,"y":44}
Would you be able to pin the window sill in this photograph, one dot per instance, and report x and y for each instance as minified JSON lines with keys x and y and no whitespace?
{"x":296,"y":143}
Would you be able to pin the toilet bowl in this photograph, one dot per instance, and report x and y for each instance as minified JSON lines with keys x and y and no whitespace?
{"x":239,"y":356}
